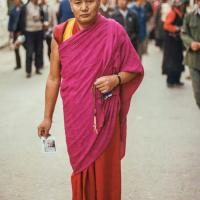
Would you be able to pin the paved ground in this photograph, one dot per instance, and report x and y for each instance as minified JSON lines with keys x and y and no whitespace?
{"x":163,"y":150}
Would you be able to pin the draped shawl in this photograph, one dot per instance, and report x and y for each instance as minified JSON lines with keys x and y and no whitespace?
{"x":99,"y":50}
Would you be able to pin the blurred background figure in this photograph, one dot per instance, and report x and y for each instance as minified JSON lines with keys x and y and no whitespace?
{"x":191,"y":40}
{"x":50,"y":21}
{"x":105,"y":9}
{"x":148,"y":12}
{"x":128,"y":20}
{"x":173,"y":46}
{"x":14,"y":15}
{"x":138,"y":8}
{"x":31,"y":25}
{"x":10,"y":5}
{"x":64,"y":12}
{"x":160,"y":17}
{"x":46,"y":24}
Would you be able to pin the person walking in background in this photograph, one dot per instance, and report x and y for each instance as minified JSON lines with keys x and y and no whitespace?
{"x":191,"y":39}
{"x":105,"y":9}
{"x":172,"y":64}
{"x":64,"y":12}
{"x":160,"y":17}
{"x":31,"y":25}
{"x":100,"y":72}
{"x":138,"y":8}
{"x":46,"y":24}
{"x":128,"y":20}
{"x":50,"y":22}
{"x":148,"y":12}
{"x":13,"y":29}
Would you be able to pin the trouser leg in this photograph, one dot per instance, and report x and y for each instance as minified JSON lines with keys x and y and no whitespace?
{"x":17,"y":57}
{"x":170,"y":77}
{"x":141,"y":49}
{"x":195,"y":76}
{"x":29,"y":51}
{"x":173,"y":77}
{"x":48,"y":41}
{"x":177,"y":77}
{"x":39,"y":50}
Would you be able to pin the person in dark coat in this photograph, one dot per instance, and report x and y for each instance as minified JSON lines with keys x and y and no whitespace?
{"x":173,"y":47}
{"x":105,"y":9}
{"x":191,"y":39}
{"x":128,"y":20}
{"x":13,"y":29}
{"x":160,"y":17}
{"x":31,"y":24}
{"x":138,"y":8}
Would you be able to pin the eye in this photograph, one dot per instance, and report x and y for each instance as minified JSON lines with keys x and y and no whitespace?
{"x":77,"y":2}
{"x":90,"y":1}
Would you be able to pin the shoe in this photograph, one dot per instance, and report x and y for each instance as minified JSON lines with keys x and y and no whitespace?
{"x":180,"y":84}
{"x":170,"y":85}
{"x":38,"y":72}
{"x":16,"y":68}
{"x":28,"y":75}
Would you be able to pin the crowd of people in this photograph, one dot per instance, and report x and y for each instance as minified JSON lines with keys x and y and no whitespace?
{"x":173,"y":26}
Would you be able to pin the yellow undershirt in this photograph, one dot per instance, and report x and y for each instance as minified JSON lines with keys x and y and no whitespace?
{"x":69,"y":29}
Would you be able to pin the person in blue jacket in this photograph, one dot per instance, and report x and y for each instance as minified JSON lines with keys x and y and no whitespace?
{"x":65,"y":11}
{"x":138,"y":8}
{"x":14,"y":15}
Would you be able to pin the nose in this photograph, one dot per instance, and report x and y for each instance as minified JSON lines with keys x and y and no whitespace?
{"x":84,"y":6}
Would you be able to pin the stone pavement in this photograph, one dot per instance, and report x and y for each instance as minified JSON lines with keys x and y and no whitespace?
{"x":163,"y":146}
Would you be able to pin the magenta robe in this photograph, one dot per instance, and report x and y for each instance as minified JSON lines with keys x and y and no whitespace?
{"x":102,"y":49}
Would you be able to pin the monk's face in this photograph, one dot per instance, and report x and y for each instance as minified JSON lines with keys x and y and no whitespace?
{"x":85,"y":11}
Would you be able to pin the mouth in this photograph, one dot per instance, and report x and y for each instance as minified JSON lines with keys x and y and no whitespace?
{"x":84,"y":15}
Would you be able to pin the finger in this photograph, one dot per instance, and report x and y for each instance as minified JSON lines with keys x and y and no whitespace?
{"x":40,"y":132}
{"x":101,"y":85}
{"x":46,"y":133}
{"x":103,"y":90}
{"x":99,"y":81}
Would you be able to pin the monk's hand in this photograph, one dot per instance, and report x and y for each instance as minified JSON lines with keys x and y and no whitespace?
{"x":106,"y":83}
{"x":44,"y":127}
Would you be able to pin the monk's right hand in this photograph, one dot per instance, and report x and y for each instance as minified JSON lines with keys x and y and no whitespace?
{"x":44,"y":127}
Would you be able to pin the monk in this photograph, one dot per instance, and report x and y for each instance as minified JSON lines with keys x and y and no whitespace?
{"x":96,"y":69}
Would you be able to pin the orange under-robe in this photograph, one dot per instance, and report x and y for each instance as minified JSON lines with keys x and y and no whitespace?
{"x":102,"y":179}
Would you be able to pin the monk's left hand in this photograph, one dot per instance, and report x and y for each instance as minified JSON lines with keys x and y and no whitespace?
{"x":106,"y":83}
